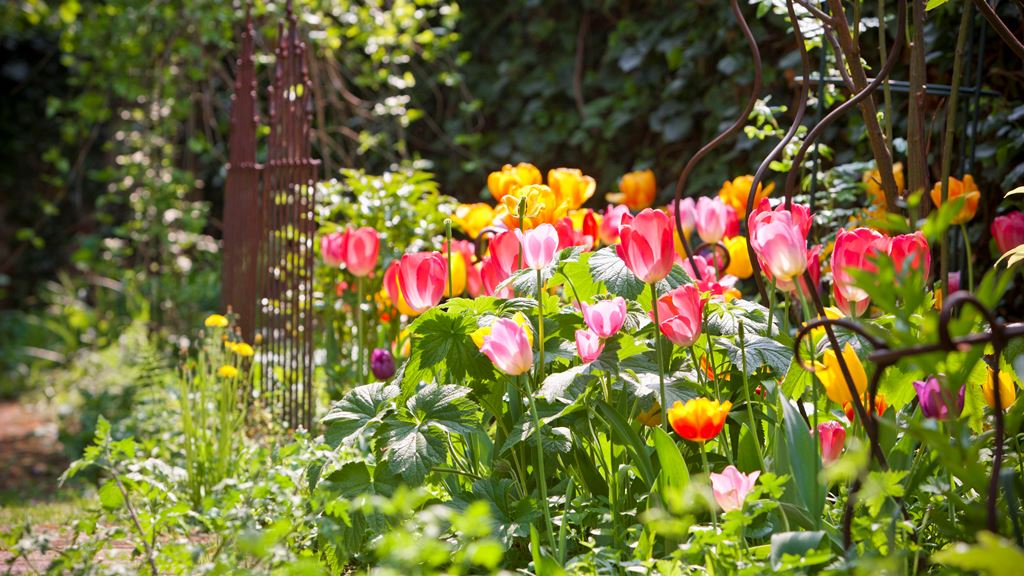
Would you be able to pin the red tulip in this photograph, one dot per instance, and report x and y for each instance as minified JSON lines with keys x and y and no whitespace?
{"x":831,"y":436}
{"x":491,"y":275}
{"x":423,"y":276}
{"x":646,"y":246}
{"x":680,"y":314}
{"x":1008,"y":230}
{"x":854,"y":250}
{"x":331,"y":248}
{"x":360,"y":247}
{"x":913,"y":248}
{"x":569,"y":236}
{"x":589,"y":228}
{"x":505,"y":248}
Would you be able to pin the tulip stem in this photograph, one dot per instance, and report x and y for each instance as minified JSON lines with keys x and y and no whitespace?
{"x":808,"y":317}
{"x":542,"y":477}
{"x":657,"y":354}
{"x":707,"y":470}
{"x":360,"y":355}
{"x":970,"y":259}
{"x":754,"y":426}
{"x":448,"y":247}
{"x":540,"y":328}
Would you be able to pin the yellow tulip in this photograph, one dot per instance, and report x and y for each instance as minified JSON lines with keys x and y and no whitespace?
{"x":216,"y":321}
{"x":227,"y":371}
{"x":831,"y":375}
{"x":636,"y":190}
{"x":510,"y":177}
{"x":1007,"y":390}
{"x":957,"y":188}
{"x":473,"y":218}
{"x":651,"y":417}
{"x":873,"y":184}
{"x":571,"y":186}
{"x":735,"y":192}
{"x":541,"y":207}
{"x":739,"y":257}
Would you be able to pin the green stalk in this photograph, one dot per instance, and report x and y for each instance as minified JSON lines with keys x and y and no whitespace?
{"x":570,"y":493}
{"x":707,"y":470}
{"x":359,"y":332}
{"x":947,"y":143}
{"x":542,"y":477}
{"x":540,"y":328}
{"x":754,"y":426}
{"x":808,"y":317}
{"x":970,"y":258}
{"x":448,"y":245}
{"x":657,"y":354}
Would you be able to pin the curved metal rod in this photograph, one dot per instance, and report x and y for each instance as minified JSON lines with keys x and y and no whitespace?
{"x":946,"y":316}
{"x":1000,"y":27}
{"x":868,"y":90}
{"x":721,"y":249}
{"x":728,"y":133}
{"x":762,"y":170}
{"x":805,"y":330}
{"x":483,"y":236}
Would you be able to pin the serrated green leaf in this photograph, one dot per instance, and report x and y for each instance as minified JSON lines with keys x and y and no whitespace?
{"x":358,"y":413}
{"x":110,"y":495}
{"x":413,"y":449}
{"x":607,"y":267}
{"x":443,"y":407}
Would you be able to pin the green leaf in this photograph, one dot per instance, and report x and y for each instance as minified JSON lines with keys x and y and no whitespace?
{"x":441,"y":343}
{"x":793,"y":544}
{"x":543,"y":565}
{"x":630,"y":439}
{"x":358,"y":413}
{"x":110,"y":496}
{"x":557,"y":386}
{"x":444,"y":407}
{"x":760,"y":352}
{"x":933,"y":4}
{"x":607,"y":267}
{"x":992,"y":555}
{"x":879,"y":487}
{"x":674,"y":475}
{"x":413,"y":449}
{"x":797,"y":457}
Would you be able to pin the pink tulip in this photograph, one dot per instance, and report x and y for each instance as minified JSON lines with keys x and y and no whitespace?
{"x":954,"y":282}
{"x":845,"y":306}
{"x":687,"y":215}
{"x":646,"y":246}
{"x":614,"y":217}
{"x":798,"y":213}
{"x":423,"y":277}
{"x":680,"y":313}
{"x":854,"y":250}
{"x":359,"y":249}
{"x":539,"y":246}
{"x":331,"y":248}
{"x":707,"y":269}
{"x":1008,"y":230}
{"x":832,"y":436}
{"x":731,"y":487}
{"x":589,"y":345}
{"x":714,"y":219}
{"x":780,"y":246}
{"x":505,"y":248}
{"x":508,"y":347}
{"x":606,"y":317}
{"x":913,"y":248}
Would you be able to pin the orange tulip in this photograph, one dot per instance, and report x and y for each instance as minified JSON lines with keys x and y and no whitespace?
{"x":510,"y":177}
{"x":636,"y":190}
{"x":873,"y":184}
{"x":542,"y":207}
{"x":957,"y":188}
{"x":700,"y":419}
{"x":735,"y":192}
{"x":880,"y":405}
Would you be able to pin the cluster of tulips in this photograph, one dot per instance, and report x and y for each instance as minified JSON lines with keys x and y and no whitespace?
{"x":532,"y":222}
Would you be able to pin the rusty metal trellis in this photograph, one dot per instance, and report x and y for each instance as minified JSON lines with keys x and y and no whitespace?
{"x":270,"y":223}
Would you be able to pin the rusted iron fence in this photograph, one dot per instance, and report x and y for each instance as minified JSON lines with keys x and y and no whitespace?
{"x":270,"y":223}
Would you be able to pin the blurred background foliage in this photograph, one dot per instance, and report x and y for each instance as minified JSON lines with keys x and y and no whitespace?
{"x":114,"y":125}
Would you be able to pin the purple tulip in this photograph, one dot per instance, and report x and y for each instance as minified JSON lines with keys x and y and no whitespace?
{"x":382,"y":363}
{"x":934,"y":402}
